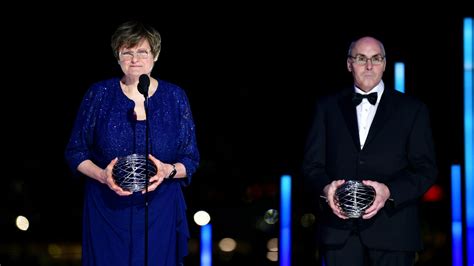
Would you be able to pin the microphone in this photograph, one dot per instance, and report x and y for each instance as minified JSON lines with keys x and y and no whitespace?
{"x":143,"y":84}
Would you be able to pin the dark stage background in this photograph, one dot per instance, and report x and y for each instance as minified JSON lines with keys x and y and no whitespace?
{"x":252,"y":76}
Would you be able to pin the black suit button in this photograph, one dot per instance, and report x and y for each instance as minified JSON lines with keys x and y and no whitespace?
{"x":361,"y":161}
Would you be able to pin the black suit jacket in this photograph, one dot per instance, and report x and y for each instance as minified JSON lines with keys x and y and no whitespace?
{"x":398,"y":152}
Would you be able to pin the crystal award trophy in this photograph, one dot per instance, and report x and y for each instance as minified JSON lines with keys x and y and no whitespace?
{"x":353,"y":197}
{"x":130,"y":172}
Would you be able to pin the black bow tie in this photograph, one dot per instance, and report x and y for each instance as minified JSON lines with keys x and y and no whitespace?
{"x":371,"y":97}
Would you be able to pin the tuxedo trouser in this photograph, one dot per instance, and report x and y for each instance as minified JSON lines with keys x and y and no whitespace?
{"x":355,"y":253}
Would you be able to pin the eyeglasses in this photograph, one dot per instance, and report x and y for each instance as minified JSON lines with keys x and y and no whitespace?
{"x":140,"y":54}
{"x":362,"y":59}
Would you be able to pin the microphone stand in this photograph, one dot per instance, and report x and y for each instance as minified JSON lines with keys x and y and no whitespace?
{"x":147,"y":175}
{"x":147,"y":129}
{"x":143,"y":84}
{"x":146,"y":179}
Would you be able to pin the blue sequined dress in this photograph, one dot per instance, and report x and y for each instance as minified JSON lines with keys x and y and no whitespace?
{"x":105,"y":128}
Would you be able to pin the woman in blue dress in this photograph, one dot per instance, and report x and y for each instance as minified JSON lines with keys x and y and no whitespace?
{"x":111,"y":123}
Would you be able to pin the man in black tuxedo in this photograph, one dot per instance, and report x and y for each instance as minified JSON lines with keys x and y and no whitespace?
{"x":379,"y":136}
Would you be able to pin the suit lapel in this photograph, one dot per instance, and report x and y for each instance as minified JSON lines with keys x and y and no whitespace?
{"x":382,"y":114}
{"x":350,"y":116}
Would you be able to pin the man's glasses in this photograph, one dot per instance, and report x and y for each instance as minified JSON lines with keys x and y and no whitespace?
{"x":362,"y":59}
{"x":140,"y":54}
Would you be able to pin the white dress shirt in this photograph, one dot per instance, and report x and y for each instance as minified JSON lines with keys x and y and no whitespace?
{"x":366,"y":112}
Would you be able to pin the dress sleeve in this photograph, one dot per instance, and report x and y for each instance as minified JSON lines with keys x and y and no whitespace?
{"x":188,"y":153}
{"x":81,"y":139}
